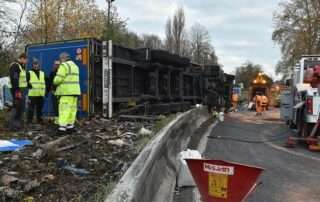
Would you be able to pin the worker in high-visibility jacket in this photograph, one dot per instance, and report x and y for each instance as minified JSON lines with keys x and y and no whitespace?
{"x":235,"y":101}
{"x":257,"y":100}
{"x":264,"y":103}
{"x":18,"y":87}
{"x":37,"y":90}
{"x":67,"y":84}
{"x":51,"y":88}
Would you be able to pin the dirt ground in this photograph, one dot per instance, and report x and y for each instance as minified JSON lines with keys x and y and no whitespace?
{"x":82,"y":167}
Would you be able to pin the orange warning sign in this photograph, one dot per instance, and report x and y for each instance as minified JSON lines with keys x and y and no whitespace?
{"x":221,"y":181}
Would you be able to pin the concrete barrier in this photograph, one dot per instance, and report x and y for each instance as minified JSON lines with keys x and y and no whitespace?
{"x":152,"y":176}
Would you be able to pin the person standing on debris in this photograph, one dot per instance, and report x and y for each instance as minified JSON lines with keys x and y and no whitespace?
{"x":67,"y":84}
{"x":52,"y":88}
{"x":18,"y":86}
{"x":37,"y":90}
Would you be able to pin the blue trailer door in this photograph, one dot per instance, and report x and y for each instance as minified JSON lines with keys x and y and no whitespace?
{"x":48,"y":53}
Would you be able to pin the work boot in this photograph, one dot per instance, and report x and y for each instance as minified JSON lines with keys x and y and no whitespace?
{"x":62,"y":130}
{"x":71,"y":129}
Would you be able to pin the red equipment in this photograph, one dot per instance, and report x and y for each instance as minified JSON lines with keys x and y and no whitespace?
{"x":221,"y":181}
{"x":311,"y":140}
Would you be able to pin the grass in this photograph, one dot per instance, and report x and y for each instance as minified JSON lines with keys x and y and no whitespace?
{"x":139,"y":145}
{"x":163,"y":122}
{"x":4,"y":121}
{"x":143,"y":141}
{"x":101,"y":194}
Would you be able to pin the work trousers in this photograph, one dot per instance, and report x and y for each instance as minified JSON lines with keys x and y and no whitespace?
{"x":55,"y":107}
{"x":263,"y":107}
{"x":35,"y":104}
{"x":67,"y":111}
{"x":17,"y":112}
{"x":235,"y":105}
{"x":258,"y":107}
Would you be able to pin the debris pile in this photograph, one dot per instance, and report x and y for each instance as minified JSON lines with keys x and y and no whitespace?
{"x":72,"y":167}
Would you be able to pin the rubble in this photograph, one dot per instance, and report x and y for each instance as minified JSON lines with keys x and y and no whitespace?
{"x":145,"y":132}
{"x":48,"y":178}
{"x":31,"y":185}
{"x":118,"y":142}
{"x":8,"y":179}
{"x":65,"y":168}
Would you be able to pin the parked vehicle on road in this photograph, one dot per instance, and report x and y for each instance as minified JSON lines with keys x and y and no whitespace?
{"x":300,"y":104}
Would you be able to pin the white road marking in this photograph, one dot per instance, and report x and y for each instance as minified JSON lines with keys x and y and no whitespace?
{"x":283,"y":149}
{"x":299,"y":154}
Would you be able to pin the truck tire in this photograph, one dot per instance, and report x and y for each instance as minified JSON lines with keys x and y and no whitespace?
{"x":304,"y":129}
{"x":291,"y":124}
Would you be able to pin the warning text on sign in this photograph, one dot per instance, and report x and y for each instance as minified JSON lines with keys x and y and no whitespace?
{"x":218,"y":169}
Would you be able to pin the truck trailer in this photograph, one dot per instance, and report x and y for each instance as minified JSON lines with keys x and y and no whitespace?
{"x":144,"y":80}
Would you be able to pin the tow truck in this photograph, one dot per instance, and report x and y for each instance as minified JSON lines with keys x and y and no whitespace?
{"x":300,"y":104}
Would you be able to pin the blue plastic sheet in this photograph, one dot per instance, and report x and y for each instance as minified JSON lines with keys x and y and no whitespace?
{"x":13,"y":145}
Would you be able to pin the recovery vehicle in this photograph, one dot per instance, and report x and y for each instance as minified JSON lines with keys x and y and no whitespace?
{"x":300,"y":104}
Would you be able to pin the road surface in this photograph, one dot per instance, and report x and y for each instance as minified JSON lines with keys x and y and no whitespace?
{"x":291,"y":175}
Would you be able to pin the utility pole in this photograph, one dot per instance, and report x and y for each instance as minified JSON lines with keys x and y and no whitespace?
{"x":109,"y":18}
{"x":107,"y":68}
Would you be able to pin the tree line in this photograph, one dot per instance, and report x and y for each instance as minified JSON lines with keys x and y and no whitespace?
{"x":43,"y":21}
{"x":297,"y":31}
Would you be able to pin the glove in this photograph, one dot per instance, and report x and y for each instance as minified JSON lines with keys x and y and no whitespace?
{"x":18,"y":94}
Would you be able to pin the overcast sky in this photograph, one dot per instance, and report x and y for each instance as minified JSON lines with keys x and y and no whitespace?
{"x":240,"y":30}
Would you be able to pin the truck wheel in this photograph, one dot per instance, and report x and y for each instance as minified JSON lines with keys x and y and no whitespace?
{"x":291,"y":124}
{"x":305,"y":129}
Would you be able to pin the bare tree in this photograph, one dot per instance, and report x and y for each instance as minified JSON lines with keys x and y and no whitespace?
{"x":152,"y":41}
{"x":186,"y":48}
{"x":178,"y":30}
{"x":19,"y":24}
{"x":200,"y":44}
{"x":6,"y":19}
{"x":169,"y":36}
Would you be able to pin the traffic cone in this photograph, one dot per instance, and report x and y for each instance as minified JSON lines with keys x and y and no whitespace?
{"x":314,"y":148}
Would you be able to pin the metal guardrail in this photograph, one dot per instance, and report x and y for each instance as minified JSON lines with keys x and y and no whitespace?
{"x":152,"y":175}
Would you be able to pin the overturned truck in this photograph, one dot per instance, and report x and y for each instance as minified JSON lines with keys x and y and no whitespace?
{"x":135,"y":80}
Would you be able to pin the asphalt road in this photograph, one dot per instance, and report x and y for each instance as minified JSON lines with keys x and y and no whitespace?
{"x":291,"y":175}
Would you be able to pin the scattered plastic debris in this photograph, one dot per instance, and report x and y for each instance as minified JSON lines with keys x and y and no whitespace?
{"x":13,"y":145}
{"x":100,"y":152}
{"x":145,"y":132}
{"x":118,"y":142}
{"x":64,"y":164}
